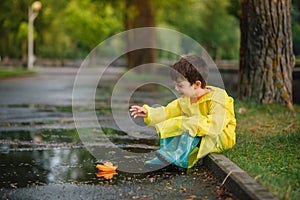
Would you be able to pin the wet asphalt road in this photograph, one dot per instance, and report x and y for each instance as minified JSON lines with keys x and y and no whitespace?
{"x":50,"y":86}
{"x":42,"y":156}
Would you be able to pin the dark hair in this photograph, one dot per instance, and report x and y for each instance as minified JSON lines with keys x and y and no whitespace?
{"x":192,"y":68}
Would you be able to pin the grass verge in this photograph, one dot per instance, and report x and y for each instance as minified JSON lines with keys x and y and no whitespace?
{"x":268,"y":141}
{"x":10,"y":72}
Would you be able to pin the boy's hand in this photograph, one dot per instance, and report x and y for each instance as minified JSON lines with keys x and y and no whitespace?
{"x":138,"y":111}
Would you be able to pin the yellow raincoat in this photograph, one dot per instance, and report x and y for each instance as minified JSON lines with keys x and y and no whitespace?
{"x":211,"y":117}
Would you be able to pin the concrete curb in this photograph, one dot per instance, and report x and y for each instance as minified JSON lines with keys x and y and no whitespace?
{"x":237,"y":181}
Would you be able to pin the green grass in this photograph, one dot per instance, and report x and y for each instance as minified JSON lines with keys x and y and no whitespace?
{"x":268,"y":147}
{"x":14,"y":72}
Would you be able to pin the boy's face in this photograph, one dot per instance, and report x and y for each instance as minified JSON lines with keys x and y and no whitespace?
{"x":184,"y":88}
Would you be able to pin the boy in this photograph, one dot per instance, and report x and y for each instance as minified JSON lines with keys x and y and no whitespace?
{"x":200,"y":122}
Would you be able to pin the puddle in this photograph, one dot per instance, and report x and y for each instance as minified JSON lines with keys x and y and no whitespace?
{"x":77,"y":167}
{"x":23,"y":169}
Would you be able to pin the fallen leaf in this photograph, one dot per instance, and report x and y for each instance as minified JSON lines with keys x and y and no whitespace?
{"x":62,"y":120}
{"x":242,"y":110}
{"x":183,"y":189}
{"x":152,"y":180}
{"x":106,"y":167}
{"x":140,"y":196}
{"x":128,"y":157}
{"x":169,"y":188}
{"x":106,"y":175}
{"x":37,"y":139}
{"x":289,"y":127}
{"x":106,"y":170}
{"x":191,"y":197}
{"x":257,"y":177}
{"x":287,"y":193}
{"x":13,"y":185}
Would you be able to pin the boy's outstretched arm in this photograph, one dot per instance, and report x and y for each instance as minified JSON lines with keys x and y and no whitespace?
{"x":138,"y":111}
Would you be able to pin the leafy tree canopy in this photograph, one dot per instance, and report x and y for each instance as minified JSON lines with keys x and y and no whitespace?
{"x":72,"y":28}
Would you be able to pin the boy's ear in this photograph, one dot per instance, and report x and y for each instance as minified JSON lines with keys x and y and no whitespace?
{"x":197,"y":84}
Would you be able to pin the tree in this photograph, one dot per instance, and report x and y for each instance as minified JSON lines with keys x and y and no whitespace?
{"x":208,"y":21}
{"x":219,"y":30}
{"x":89,"y":22}
{"x":52,"y":40}
{"x":139,"y":14}
{"x":296,"y":26}
{"x":266,"y":55}
{"x":12,"y":14}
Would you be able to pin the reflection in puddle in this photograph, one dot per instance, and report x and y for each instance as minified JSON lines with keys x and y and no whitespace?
{"x":107,"y":175}
{"x":43,"y":167}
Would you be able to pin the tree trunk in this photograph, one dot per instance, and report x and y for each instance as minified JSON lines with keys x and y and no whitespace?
{"x":140,"y":14}
{"x":266,"y":55}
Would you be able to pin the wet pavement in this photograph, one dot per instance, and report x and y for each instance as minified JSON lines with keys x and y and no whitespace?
{"x":43,"y":157}
{"x":70,"y":174}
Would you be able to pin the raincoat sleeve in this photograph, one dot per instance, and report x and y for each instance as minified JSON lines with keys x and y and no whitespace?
{"x":198,"y":125}
{"x":160,"y":114}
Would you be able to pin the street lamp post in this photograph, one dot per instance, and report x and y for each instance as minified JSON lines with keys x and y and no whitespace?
{"x":33,"y":12}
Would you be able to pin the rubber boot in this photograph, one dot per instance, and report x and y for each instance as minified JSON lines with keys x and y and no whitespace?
{"x":180,"y":156}
{"x":154,"y":164}
{"x":165,"y":144}
{"x":169,"y":144}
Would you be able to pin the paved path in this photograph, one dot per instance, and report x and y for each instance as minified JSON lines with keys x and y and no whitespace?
{"x":50,"y":86}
